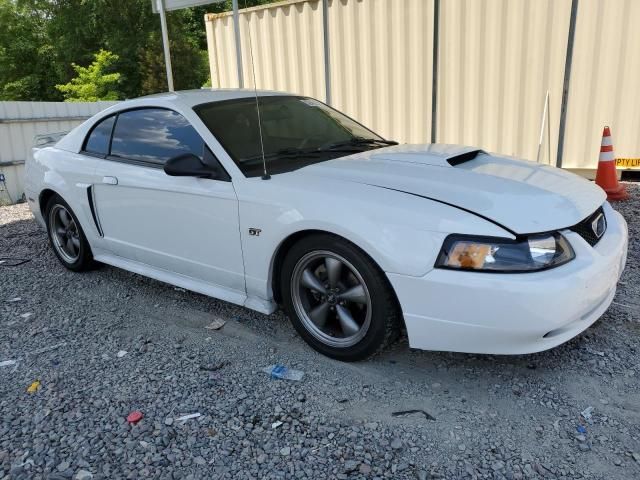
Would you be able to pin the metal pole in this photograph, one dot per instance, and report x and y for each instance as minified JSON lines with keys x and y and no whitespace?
{"x":165,"y":44}
{"x":548,"y":129}
{"x":327,"y":62}
{"x":236,"y":28}
{"x":542,"y":122}
{"x":434,"y":73}
{"x":567,"y":79}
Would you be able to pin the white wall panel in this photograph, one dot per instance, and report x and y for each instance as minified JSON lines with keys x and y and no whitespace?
{"x":381,"y":64}
{"x":381,"y":53}
{"x":497,"y":60}
{"x":20,"y":122}
{"x":604,"y":82}
{"x":287,"y":48}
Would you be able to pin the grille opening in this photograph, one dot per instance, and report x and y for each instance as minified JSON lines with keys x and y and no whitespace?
{"x":585,"y":230}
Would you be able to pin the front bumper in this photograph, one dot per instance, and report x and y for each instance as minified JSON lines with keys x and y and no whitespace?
{"x":493,"y":313}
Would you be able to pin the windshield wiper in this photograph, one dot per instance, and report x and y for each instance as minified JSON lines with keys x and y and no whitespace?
{"x":356,"y":142}
{"x":283,"y":153}
{"x":352,"y":145}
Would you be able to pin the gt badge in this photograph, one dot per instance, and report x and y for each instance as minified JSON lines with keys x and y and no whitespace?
{"x":254,"y":232}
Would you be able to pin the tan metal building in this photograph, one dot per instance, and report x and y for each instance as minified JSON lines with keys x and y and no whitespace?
{"x":455,"y":71}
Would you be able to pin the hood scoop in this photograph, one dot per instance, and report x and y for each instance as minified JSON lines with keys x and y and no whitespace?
{"x":435,"y":155}
{"x":464,"y":157}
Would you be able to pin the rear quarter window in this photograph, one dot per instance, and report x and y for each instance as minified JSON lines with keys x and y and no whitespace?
{"x":97,"y":141}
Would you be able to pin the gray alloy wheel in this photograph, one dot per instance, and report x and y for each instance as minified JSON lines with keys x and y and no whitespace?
{"x":65,"y":235}
{"x":331,"y":299}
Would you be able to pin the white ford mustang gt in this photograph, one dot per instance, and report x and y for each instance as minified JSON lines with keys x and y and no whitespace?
{"x":354,"y":235}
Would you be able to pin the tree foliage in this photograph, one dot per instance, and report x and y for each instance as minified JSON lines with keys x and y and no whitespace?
{"x":42,"y":42}
{"x":94,"y":82}
{"x":25,"y":68}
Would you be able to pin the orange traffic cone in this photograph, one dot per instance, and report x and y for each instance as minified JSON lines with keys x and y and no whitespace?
{"x":606,"y":176}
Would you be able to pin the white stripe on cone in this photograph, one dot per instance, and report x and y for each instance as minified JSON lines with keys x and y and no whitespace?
{"x":606,"y":157}
{"x":606,"y":141}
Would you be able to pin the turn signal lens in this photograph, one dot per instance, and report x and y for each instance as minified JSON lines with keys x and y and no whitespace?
{"x":469,"y":255}
{"x":533,"y":253}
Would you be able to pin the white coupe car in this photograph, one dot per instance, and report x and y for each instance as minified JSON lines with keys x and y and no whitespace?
{"x":355,"y":236}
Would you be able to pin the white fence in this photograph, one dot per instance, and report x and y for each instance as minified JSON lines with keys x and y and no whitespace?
{"x":20,"y":122}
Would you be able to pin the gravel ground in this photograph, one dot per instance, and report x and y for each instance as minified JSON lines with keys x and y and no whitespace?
{"x":493,"y":416}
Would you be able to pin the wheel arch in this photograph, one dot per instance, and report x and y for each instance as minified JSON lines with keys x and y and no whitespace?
{"x":279,"y":256}
{"x":44,"y":197}
{"x":286,"y":244}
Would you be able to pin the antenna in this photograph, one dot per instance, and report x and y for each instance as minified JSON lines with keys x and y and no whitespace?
{"x":265,"y":175}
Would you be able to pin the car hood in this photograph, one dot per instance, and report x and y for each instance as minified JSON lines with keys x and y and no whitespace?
{"x":522,"y":196}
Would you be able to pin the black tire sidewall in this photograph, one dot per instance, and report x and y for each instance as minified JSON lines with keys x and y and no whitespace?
{"x":375,"y":281}
{"x":85,"y":257}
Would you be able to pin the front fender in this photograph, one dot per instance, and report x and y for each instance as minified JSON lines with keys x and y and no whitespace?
{"x":401,"y":233}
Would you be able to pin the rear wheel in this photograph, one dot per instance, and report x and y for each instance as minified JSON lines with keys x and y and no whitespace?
{"x":66,"y":236}
{"x":338,"y":300}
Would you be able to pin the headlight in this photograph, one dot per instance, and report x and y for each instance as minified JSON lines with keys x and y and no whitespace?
{"x":492,"y":254}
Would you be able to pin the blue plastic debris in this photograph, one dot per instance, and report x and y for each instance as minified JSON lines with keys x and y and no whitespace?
{"x":283,"y":373}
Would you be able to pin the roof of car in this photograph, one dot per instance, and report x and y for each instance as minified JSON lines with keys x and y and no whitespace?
{"x":185,"y":98}
{"x":204,"y":95}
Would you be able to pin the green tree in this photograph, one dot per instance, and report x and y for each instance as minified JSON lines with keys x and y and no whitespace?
{"x":131,"y":30}
{"x":95,"y":82}
{"x":42,"y":40}
{"x":26,"y":72}
{"x":189,"y":70}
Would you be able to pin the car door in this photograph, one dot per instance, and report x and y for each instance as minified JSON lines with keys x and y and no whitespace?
{"x":184,"y":225}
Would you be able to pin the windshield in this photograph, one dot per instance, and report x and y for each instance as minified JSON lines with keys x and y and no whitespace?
{"x":296,"y":132}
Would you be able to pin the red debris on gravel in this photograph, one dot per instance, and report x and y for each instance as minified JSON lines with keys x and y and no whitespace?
{"x":134,"y":417}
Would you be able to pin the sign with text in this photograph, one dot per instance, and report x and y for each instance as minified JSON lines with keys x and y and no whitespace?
{"x":630,"y":163}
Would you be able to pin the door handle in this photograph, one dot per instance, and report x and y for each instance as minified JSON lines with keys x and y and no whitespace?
{"x":110,"y":180}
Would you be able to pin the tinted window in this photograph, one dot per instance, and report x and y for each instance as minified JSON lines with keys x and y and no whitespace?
{"x":154,"y":136}
{"x":98,"y":139}
{"x":288,"y":124}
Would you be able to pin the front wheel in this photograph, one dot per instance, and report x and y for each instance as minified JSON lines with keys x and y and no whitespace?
{"x":338,"y":299}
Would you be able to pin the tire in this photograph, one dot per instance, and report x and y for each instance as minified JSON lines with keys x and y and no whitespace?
{"x":347,"y":312}
{"x":58,"y":217}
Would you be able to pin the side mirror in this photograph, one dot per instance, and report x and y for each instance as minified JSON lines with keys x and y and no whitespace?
{"x":188,"y":165}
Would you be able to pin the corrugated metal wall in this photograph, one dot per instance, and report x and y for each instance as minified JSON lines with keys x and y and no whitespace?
{"x":287,"y":48}
{"x":372,"y":40}
{"x":381,"y":59}
{"x":21,"y":121}
{"x":497,"y":58}
{"x":604,"y":81}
